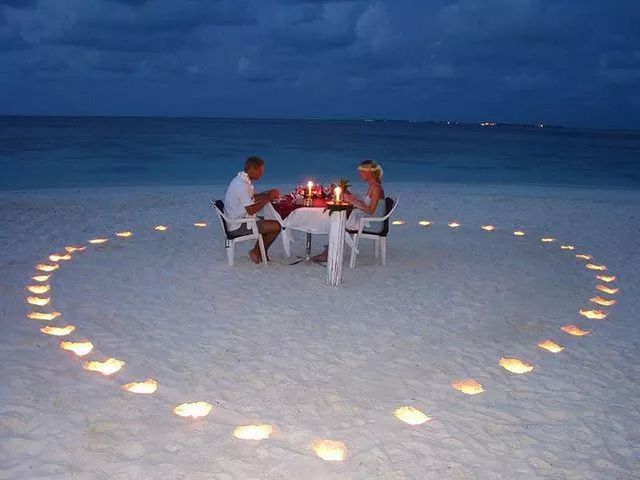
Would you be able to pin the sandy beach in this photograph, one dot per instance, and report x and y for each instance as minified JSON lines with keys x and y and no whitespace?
{"x":277,"y":346}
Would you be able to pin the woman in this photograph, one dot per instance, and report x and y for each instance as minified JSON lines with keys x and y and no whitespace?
{"x":372,"y":205}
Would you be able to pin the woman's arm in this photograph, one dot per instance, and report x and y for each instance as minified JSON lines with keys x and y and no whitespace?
{"x":376,"y":196}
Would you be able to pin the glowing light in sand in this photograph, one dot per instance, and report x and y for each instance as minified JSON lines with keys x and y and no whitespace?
{"x":79,"y":348}
{"x":454,"y":224}
{"x":550,"y":346}
{"x":39,"y":289}
{"x":515,"y":365}
{"x":602,"y":301}
{"x":98,"y":241}
{"x":567,"y":247}
{"x":592,"y":266}
{"x":605,"y":289}
{"x":469,"y":386}
{"x":148,"y":386}
{"x":519,"y":233}
{"x":582,"y":256}
{"x":398,"y":222}
{"x":575,"y":331}
{"x":54,"y":257}
{"x":548,"y":239}
{"x":58,"y":331}
{"x":125,"y":234}
{"x":200,"y":224}
{"x":193,"y":410}
{"x":411,"y":415}
{"x":253,"y":432}
{"x":41,"y":278}
{"x":330,"y":450}
{"x":160,"y":228}
{"x":38,"y":301}
{"x":593,"y":314}
{"x":108,"y":367}
{"x":424,"y":223}
{"x":43,"y":316}
{"x":488,"y":228}
{"x":603,"y":278}
{"x":44,"y":267}
{"x":75,"y":248}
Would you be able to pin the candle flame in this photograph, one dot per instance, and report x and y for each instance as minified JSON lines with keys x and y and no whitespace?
{"x":108,"y":367}
{"x":515,"y":365}
{"x":43,"y":316}
{"x":550,"y":346}
{"x":605,"y":289}
{"x":602,"y":301}
{"x":54,"y":257}
{"x":548,"y":239}
{"x":58,"y":331}
{"x":604,"y":278}
{"x":411,"y":415}
{"x":398,"y":222}
{"x":519,"y":233}
{"x":200,"y":224}
{"x":593,"y":314}
{"x":194,"y":410}
{"x":469,"y":386}
{"x":160,"y":228}
{"x":148,"y":386}
{"x":592,"y":266}
{"x":253,"y":432}
{"x":98,"y":241}
{"x":79,"y":348}
{"x":454,"y":224}
{"x":567,"y":247}
{"x":424,"y":223}
{"x":44,"y":267}
{"x":39,"y":289}
{"x":124,"y":234}
{"x":38,"y":301}
{"x":582,"y":256}
{"x":488,"y":228}
{"x":41,"y":278}
{"x":75,"y":248}
{"x":575,"y":331}
{"x":330,"y":450}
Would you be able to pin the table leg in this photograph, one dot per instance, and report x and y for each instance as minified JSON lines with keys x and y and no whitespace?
{"x":338,"y":221}
{"x":307,"y":251}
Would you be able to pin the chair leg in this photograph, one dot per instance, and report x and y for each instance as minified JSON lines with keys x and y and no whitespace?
{"x":376,"y":248}
{"x":230,"y":248}
{"x":263,"y":252}
{"x":383,"y":251}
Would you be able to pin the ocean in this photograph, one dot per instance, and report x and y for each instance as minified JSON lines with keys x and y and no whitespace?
{"x":70,"y":152}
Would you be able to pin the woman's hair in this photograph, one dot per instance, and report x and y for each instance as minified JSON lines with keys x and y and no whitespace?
{"x":373,"y":167}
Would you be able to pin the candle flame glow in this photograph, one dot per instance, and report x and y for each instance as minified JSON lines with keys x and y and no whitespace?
{"x":194,"y":410}
{"x":592,"y":266}
{"x":79,"y":348}
{"x":519,"y":233}
{"x":75,"y":248}
{"x":54,"y":257}
{"x":593,"y":314}
{"x":548,"y":239}
{"x":550,"y":346}
{"x":488,"y":228}
{"x":515,"y":365}
{"x":43,"y":316}
{"x":567,"y":247}
{"x":98,"y":241}
{"x":330,"y":450}
{"x":602,"y":301}
{"x":148,"y":386}
{"x":411,"y":415}
{"x":605,"y":289}
{"x":253,"y":432}
{"x":454,"y":224}
{"x":200,"y":224}
{"x":41,"y":278}
{"x":58,"y":331}
{"x":424,"y":223}
{"x":44,"y":267}
{"x":108,"y":367}
{"x":582,"y":256}
{"x":160,"y":228}
{"x":604,"y":278}
{"x":39,"y":289}
{"x":125,"y":234}
{"x":469,"y":386}
{"x":398,"y":222}
{"x":38,"y":301}
{"x":575,"y":331}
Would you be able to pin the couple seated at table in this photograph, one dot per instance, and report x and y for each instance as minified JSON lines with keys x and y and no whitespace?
{"x":241,"y":201}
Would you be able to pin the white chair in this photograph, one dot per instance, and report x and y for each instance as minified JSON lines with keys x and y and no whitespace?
{"x":379,"y":238}
{"x":231,"y":237}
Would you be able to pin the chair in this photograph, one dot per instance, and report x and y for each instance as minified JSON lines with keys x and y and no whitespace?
{"x":379,"y":239}
{"x":231,"y":237}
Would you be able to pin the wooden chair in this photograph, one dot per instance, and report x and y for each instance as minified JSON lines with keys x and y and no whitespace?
{"x":379,"y":238}
{"x":231,"y":236}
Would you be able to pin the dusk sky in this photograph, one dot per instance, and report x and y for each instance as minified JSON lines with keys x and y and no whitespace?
{"x":571,"y":62}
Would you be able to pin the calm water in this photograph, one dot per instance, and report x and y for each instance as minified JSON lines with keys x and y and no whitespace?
{"x":89,"y":151}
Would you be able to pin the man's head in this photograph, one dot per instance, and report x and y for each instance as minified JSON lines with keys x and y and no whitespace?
{"x":254,"y":167}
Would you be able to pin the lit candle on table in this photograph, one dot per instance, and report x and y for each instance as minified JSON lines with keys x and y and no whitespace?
{"x":309,"y":187}
{"x":337,"y":193}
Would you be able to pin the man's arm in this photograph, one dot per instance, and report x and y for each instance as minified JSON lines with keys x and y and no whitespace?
{"x":260,"y":200}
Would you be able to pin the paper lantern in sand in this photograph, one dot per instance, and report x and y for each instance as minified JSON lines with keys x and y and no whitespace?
{"x":488,"y":228}
{"x":548,"y":239}
{"x":602,"y":301}
{"x":575,"y":331}
{"x":469,"y":386}
{"x":44,"y":267}
{"x":148,"y":386}
{"x":411,"y":415}
{"x":550,"y":346}
{"x":98,"y":241}
{"x":43,"y":316}
{"x":58,"y":331}
{"x":41,"y":302}
{"x":603,"y":278}
{"x":567,"y":247}
{"x":108,"y":367}
{"x":605,"y":289}
{"x":160,"y":228}
{"x":330,"y":450}
{"x":125,"y":234}
{"x":41,"y":278}
{"x":39,"y":289}
{"x":54,"y":257}
{"x":75,"y":248}
{"x":253,"y":432}
{"x":193,"y":410}
{"x":582,"y":256}
{"x":424,"y":223}
{"x":593,"y":314}
{"x":200,"y":224}
{"x":454,"y":224}
{"x":79,"y":348}
{"x":515,"y":365}
{"x":519,"y":233}
{"x":398,"y":222}
{"x":592,"y":266}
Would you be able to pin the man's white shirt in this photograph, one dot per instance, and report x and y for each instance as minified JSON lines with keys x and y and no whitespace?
{"x":240,"y":194}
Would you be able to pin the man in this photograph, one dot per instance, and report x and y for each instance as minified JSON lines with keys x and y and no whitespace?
{"x":241,"y":201}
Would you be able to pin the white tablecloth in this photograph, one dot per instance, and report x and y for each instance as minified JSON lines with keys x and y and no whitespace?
{"x":305,"y":219}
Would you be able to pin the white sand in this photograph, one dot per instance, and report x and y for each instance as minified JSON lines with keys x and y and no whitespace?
{"x":277,"y":346}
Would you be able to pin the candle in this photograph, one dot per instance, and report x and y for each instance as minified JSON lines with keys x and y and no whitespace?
{"x":336,"y":194}
{"x":309,"y":187}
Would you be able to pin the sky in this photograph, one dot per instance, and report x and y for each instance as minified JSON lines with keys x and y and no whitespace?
{"x":567,"y":62}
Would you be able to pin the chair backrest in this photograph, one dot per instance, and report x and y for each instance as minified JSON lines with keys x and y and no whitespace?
{"x":218,"y":208}
{"x":390,"y":206}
